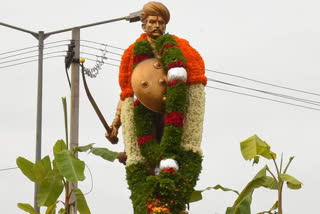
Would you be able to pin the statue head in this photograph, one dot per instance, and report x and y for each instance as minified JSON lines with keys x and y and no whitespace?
{"x":154,"y":17}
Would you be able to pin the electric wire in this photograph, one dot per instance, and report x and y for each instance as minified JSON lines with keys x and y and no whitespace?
{"x":91,"y":180}
{"x":101,"y":62}
{"x":264,"y":98}
{"x":31,"y":61}
{"x":87,"y":46}
{"x":103,"y":57}
{"x":18,"y":50}
{"x":261,"y":82}
{"x":7,"y":169}
{"x":64,"y":40}
{"x":98,"y":43}
{"x":311,"y":102}
{"x":36,"y":46}
{"x":32,"y":51}
{"x":18,"y":54}
{"x":30,"y":57}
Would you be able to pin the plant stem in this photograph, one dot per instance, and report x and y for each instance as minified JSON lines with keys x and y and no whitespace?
{"x":281,"y":162}
{"x":280,"y":185}
{"x":66,"y":205}
{"x":275,"y":163}
{"x":280,"y":197}
{"x":274,"y":177}
{"x":290,"y":160}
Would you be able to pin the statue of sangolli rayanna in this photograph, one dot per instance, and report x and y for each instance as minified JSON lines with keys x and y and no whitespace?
{"x":161,"y":110}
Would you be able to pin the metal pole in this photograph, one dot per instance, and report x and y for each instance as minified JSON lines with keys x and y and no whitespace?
{"x":74,"y":112}
{"x":39,"y":111}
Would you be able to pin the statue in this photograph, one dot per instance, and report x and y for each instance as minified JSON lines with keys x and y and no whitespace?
{"x":162,"y":128}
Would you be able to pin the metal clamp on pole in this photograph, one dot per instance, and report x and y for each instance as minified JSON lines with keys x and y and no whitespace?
{"x":134,"y":17}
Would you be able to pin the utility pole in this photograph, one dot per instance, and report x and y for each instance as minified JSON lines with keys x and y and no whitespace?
{"x":74,"y":111}
{"x":41,"y":38}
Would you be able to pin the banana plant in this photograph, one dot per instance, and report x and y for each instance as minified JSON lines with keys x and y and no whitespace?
{"x":54,"y":176}
{"x":254,"y":148}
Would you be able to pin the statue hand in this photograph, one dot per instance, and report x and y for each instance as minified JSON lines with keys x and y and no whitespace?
{"x":122,"y":157}
{"x":112,"y":136}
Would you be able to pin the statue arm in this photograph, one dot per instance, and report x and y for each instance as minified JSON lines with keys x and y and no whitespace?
{"x":116,"y":123}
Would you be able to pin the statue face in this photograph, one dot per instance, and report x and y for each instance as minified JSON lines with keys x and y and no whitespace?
{"x":154,"y":26}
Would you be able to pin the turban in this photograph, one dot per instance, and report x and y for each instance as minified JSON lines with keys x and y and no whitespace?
{"x":155,"y":9}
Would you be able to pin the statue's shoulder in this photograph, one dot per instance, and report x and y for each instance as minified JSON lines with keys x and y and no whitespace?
{"x":129,"y":50}
{"x":181,"y":41}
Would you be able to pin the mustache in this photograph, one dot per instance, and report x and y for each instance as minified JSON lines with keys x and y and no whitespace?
{"x":157,"y":31}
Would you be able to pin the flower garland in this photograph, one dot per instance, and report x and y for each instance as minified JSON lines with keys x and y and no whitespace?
{"x":165,"y":181}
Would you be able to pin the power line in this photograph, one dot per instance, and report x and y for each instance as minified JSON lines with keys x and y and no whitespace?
{"x":103,"y":57}
{"x":91,"y":181}
{"x":50,"y":47}
{"x":265,"y":83}
{"x":30,"y":57}
{"x":31,"y":61}
{"x":264,"y":98}
{"x":65,"y":40}
{"x":311,"y":102}
{"x":98,"y":43}
{"x":19,"y":50}
{"x":36,"y":46}
{"x":19,"y":54}
{"x":102,"y":62}
{"x":91,"y":47}
{"x":7,"y":169}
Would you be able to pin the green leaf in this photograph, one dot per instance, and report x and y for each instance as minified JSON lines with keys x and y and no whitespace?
{"x":246,"y":194}
{"x":105,"y":153}
{"x":50,"y":189}
{"x":59,"y":146}
{"x":62,"y":211}
{"x":41,"y":169}
{"x":69,"y":166}
{"x":83,"y":148}
{"x":256,"y":160}
{"x":225,"y":189}
{"x":28,"y":208}
{"x":52,"y":208}
{"x":275,"y":206}
{"x":254,"y":146}
{"x":230,"y":210}
{"x":82,"y":205}
{"x":269,"y":182}
{"x":196,"y":196}
{"x":26,"y":168}
{"x":292,"y":182}
{"x":244,"y":207}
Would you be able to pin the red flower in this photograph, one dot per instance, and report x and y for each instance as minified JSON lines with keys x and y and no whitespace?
{"x":173,"y":82}
{"x":178,"y":63}
{"x":140,"y":58}
{"x":171,"y":170}
{"x":136,"y":102}
{"x":144,"y":139}
{"x":174,"y":118}
{"x":167,"y":46}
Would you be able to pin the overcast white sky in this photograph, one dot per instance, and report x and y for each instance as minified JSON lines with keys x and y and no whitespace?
{"x":268,"y":40}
